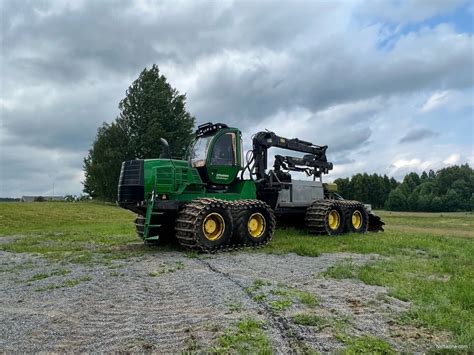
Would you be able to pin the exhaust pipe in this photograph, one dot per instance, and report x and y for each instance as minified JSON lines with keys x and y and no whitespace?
{"x":165,"y":149}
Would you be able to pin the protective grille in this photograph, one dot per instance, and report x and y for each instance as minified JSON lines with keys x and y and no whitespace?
{"x":130,"y":188}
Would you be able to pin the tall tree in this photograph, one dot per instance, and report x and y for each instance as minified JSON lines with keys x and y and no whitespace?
{"x":102,"y":165}
{"x":151,"y":110}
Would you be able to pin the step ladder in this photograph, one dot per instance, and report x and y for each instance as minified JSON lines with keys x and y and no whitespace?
{"x":150,"y":212}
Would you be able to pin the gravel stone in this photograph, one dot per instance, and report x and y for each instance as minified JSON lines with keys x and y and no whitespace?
{"x":168,"y":302}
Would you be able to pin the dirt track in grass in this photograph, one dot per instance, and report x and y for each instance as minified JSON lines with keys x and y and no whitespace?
{"x":169,"y":302}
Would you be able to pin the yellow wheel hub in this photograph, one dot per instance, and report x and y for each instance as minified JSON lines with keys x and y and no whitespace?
{"x":357,"y":219}
{"x":213,"y":226}
{"x":256,"y":225}
{"x":334,"y":220}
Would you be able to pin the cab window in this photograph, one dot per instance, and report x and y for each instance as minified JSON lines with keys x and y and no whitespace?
{"x":224,"y":150}
{"x":197,"y":156}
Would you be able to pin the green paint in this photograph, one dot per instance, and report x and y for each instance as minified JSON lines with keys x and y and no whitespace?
{"x":179,"y":181}
{"x":223,"y":174}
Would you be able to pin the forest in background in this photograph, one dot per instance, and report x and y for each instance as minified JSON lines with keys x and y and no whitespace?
{"x":448,"y":190}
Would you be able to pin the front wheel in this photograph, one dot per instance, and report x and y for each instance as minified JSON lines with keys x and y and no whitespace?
{"x":204,"y":224}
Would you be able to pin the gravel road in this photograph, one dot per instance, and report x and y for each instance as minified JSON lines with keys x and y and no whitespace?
{"x":168,"y":302}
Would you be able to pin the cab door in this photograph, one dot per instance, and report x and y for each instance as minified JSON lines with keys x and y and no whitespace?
{"x":224,"y":160}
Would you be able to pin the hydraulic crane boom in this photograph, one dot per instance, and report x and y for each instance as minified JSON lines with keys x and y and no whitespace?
{"x":315,"y":161}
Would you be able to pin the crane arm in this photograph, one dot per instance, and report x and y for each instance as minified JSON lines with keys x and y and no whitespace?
{"x":315,"y":158}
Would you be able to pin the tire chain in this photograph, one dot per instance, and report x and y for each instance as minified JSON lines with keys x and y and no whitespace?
{"x":349,"y":205}
{"x":186,"y":223}
{"x":241,"y":205}
{"x":377,"y":222}
{"x":315,"y":218}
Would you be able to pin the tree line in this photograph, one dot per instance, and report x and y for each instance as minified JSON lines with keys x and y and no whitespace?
{"x":447,"y":190}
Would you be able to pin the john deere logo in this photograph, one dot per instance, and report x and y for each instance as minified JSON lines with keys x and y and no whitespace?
{"x":222,"y":176}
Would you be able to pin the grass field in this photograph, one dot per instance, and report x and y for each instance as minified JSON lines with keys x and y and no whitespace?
{"x":427,"y":257}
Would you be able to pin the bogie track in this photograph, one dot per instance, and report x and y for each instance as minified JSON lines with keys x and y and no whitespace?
{"x":212,"y":225}
{"x":335,"y":217}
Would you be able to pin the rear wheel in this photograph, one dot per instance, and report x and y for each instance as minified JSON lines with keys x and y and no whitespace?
{"x":254,"y":222}
{"x":357,"y":219}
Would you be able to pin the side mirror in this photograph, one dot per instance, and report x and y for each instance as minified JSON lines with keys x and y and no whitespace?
{"x":165,"y":149}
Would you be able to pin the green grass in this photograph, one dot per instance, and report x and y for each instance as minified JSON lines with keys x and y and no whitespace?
{"x":39,"y":276}
{"x":61,"y":272}
{"x":247,"y":338}
{"x":259,"y":297}
{"x":257,"y":285}
{"x":311,"y":320}
{"x":307,"y":298}
{"x":67,"y":283}
{"x":178,"y":265}
{"x":342,"y":270}
{"x":75,"y":232}
{"x":448,"y":222}
{"x":280,"y":305}
{"x":235,"y":306}
{"x":285,"y":295}
{"x":368,"y":345}
{"x":63,"y":217}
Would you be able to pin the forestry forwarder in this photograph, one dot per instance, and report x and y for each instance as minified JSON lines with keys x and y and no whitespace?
{"x":208,"y":206}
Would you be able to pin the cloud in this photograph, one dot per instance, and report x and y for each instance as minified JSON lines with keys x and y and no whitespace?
{"x":312,"y":70}
{"x":452,"y":159}
{"x":418,"y":134}
{"x":437,"y":100}
{"x":448,"y":100}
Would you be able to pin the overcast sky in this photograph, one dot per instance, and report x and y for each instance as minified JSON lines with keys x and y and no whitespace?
{"x":388,"y":85}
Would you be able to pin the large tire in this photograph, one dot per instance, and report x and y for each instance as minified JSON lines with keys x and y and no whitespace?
{"x":254,"y":223}
{"x":356,"y":216}
{"x":205,"y":224}
{"x":325,"y":217}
